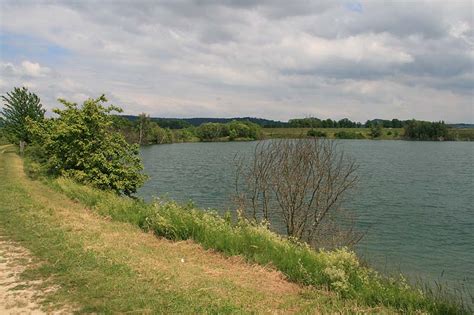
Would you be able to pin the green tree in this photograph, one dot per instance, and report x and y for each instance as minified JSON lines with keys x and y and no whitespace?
{"x":158,"y":135}
{"x":20,"y":105}
{"x":425,"y":130}
{"x":184,"y":135}
{"x":81,"y":143}
{"x":210,"y":131}
{"x":143,"y":127}
{"x":376,"y":130}
{"x":243,"y":129}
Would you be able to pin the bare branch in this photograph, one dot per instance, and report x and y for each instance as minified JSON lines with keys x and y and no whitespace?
{"x":302,"y":182}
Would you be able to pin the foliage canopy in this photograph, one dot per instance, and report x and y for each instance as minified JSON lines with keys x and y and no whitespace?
{"x":81,"y":144}
{"x":233,"y":130}
{"x":376,"y":130}
{"x":20,"y":105}
{"x":424,"y":130}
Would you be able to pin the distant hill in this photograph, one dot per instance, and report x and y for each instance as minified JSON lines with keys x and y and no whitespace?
{"x":178,"y":123}
{"x":462,"y":125}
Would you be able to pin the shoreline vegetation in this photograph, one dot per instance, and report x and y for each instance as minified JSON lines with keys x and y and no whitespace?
{"x":56,"y":217}
{"x":144,"y":130}
{"x":70,"y":201}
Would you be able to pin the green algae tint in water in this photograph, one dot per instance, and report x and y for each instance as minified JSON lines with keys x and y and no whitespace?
{"x":415,"y":199}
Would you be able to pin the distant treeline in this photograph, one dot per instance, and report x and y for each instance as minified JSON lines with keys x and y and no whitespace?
{"x":313,"y":122}
{"x":309,"y":122}
{"x":181,"y":123}
{"x":145,"y":130}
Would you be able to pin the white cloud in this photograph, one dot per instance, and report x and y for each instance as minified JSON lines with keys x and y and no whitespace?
{"x":276,"y":59}
{"x":33,"y":69}
{"x":26,"y":69}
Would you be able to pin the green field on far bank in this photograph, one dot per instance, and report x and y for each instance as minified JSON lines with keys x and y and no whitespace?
{"x":275,"y":133}
{"x":459,"y":134}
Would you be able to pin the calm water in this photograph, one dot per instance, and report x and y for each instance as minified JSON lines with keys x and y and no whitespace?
{"x":415,"y":198}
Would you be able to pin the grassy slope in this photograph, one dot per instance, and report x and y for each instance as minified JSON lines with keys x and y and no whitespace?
{"x":339,"y":270}
{"x":109,"y":267}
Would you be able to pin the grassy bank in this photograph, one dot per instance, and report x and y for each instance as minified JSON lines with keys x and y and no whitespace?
{"x":337,"y":271}
{"x":99,"y":263}
{"x":103,"y":262}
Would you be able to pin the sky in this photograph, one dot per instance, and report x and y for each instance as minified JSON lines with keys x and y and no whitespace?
{"x":271,"y":59}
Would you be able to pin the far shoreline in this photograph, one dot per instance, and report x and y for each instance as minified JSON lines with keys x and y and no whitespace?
{"x":392,"y":134}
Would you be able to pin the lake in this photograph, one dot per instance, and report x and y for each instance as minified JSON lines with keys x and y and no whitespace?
{"x":415,"y":199}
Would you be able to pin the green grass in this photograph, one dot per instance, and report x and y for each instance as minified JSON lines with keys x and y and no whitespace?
{"x":277,"y":133}
{"x":462,"y":134}
{"x":96,"y":282}
{"x":3,"y":138}
{"x":103,"y":264}
{"x":459,"y":134}
{"x":338,"y":271}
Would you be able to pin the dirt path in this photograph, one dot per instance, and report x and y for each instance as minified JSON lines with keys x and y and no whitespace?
{"x":17,"y":296}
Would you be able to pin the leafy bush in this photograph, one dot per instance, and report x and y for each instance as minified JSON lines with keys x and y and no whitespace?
{"x":3,"y":137}
{"x":243,"y":129}
{"x":210,"y":131}
{"x":424,"y":130}
{"x":376,"y":130}
{"x":316,"y":133}
{"x":81,"y":144}
{"x":159,"y":135}
{"x":233,"y":130}
{"x":348,"y":135}
{"x":184,"y":135}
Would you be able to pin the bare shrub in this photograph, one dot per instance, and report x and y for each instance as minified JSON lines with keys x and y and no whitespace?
{"x":303,"y":182}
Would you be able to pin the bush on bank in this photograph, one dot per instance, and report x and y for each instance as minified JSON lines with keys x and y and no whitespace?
{"x":79,"y":143}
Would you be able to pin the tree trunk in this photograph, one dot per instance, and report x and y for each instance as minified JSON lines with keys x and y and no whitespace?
{"x":140,"y":134}
{"x":22,"y":147}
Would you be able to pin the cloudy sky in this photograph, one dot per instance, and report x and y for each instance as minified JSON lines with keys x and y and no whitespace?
{"x":275,"y":59}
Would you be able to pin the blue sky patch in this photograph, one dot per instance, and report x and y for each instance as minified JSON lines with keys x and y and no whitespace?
{"x":19,"y":47}
{"x":354,"y":6}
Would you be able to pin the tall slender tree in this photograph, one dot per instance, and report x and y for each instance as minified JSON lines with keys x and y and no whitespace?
{"x":19,"y":106}
{"x":143,"y":126}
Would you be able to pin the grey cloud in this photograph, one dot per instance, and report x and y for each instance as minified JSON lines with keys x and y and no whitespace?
{"x":276,"y":57}
{"x":440,"y":64}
